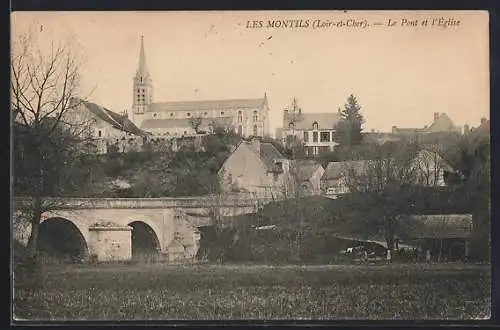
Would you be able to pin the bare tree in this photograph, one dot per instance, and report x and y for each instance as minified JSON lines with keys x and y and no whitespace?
{"x":381,"y":188}
{"x":44,"y":88}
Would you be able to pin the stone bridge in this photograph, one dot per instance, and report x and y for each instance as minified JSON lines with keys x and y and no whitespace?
{"x":111,"y":229}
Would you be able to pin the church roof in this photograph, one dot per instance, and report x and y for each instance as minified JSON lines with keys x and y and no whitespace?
{"x":306,"y":120}
{"x":206,"y":105}
{"x":183,"y":122}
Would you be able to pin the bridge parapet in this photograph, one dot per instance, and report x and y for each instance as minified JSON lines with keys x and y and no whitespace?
{"x":138,"y":203}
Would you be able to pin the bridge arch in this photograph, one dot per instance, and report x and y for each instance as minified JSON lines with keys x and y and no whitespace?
{"x":60,"y":238}
{"x":146,"y":244}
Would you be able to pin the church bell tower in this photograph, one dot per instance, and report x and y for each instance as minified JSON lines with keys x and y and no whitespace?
{"x":142,"y":89}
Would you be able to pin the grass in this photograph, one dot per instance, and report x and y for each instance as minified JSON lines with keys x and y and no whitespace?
{"x":217,"y":292}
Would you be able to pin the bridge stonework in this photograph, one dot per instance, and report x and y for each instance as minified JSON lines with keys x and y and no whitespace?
{"x":105,"y":224}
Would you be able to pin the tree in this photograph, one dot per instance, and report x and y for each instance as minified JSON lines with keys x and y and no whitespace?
{"x":44,"y":88}
{"x":381,"y":192}
{"x":195,"y":123}
{"x":348,"y":129}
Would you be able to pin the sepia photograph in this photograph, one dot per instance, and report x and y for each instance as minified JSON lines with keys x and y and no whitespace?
{"x":250,"y":165}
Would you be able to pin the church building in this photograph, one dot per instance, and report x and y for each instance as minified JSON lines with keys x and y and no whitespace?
{"x":248,"y":117}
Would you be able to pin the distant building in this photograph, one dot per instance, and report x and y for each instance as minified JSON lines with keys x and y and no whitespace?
{"x":309,"y":173}
{"x":256,"y":167}
{"x":314,"y":130}
{"x":104,"y":126}
{"x":427,"y":169}
{"x":483,"y":130}
{"x":441,"y":124}
{"x":446,"y":236}
{"x":248,"y":117}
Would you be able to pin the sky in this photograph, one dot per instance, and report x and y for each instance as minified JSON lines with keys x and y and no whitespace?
{"x":400,"y":73}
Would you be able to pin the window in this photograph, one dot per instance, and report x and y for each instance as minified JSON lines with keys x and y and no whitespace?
{"x":255,"y":130}
{"x":155,"y":115}
{"x":315,"y":136}
{"x":324,"y":136}
{"x":205,"y":113}
{"x":291,"y":125}
{"x":189,"y":114}
{"x":222,"y":113}
{"x":255,"y":116}
{"x":315,"y":125}
{"x":240,"y":130}
{"x":240,"y":117}
{"x":306,"y":136}
{"x":138,"y":91}
{"x":99,"y":133}
{"x":171,"y":114}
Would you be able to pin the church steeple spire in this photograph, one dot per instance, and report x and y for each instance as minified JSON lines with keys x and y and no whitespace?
{"x":142,"y":70}
{"x":143,"y":86}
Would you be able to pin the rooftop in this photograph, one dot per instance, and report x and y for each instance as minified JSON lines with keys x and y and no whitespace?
{"x":207,"y":105}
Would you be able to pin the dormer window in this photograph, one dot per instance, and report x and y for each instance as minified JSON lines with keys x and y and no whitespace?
{"x":291,"y":125}
{"x":315,"y":125}
{"x":278,"y":167}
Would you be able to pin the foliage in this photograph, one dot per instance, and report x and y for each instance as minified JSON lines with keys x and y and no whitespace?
{"x":195,"y":123}
{"x":348,"y":129}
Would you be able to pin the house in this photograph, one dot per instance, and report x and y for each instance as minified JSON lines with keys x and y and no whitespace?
{"x":483,"y":130}
{"x":335,"y":179}
{"x":427,"y":168}
{"x":309,"y":173}
{"x":258,"y":168}
{"x":441,"y":124}
{"x":446,"y":236}
{"x":314,"y":130}
{"x":105,"y":126}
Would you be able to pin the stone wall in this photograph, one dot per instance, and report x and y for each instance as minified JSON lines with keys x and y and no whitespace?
{"x":110,"y":243}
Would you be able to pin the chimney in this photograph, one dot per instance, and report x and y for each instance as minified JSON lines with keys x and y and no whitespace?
{"x":256,"y":145}
{"x":436,"y":116}
{"x":466,"y":129}
{"x":483,"y":120}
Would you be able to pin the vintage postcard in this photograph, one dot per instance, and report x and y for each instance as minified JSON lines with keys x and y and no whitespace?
{"x":267,"y":165}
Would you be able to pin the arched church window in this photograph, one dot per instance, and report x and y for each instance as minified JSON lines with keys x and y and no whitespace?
{"x":255,"y":116}
{"x":240,"y":116}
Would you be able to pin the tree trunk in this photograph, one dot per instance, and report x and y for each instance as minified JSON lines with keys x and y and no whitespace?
{"x":35,"y":224}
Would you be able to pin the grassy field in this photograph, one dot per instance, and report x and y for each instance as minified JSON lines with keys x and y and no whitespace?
{"x":209,"y":292}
